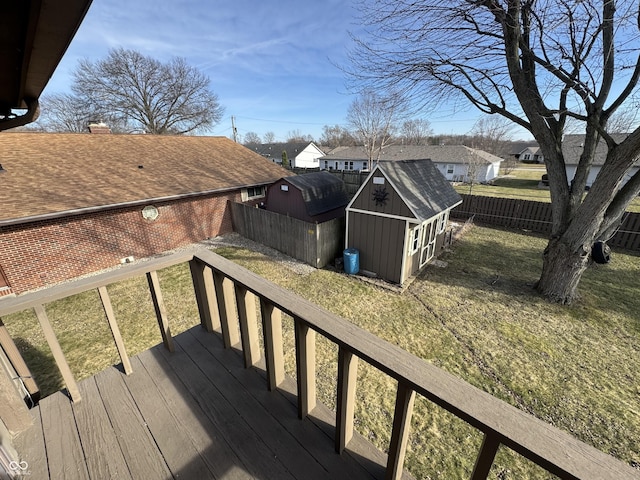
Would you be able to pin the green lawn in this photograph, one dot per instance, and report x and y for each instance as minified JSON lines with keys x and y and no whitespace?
{"x":478,"y":318}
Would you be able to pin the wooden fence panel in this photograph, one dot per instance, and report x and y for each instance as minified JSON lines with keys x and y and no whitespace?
{"x":536,"y":217}
{"x":315,"y":244}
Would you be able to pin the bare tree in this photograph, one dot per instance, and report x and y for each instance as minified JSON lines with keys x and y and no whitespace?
{"x":415,"y":132}
{"x":538,"y":64}
{"x":373,"y":120}
{"x":492,"y":134}
{"x":158,"y":98}
{"x":251,"y":138}
{"x":65,"y":112}
{"x":336,"y":136}
{"x":269,"y":137}
{"x":295,"y":136}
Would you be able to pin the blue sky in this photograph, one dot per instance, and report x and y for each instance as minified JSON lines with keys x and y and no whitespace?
{"x":271,"y":63}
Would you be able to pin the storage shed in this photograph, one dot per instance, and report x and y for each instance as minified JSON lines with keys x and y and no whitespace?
{"x":398,"y":216}
{"x":312,"y":197}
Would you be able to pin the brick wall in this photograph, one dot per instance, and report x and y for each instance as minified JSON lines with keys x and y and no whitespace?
{"x":39,"y":254}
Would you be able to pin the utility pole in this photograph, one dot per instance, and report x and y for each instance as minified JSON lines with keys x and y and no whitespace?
{"x":235,"y":130}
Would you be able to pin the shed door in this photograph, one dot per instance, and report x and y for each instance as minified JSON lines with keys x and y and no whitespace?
{"x":429,"y":233}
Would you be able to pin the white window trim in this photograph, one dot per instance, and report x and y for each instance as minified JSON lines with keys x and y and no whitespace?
{"x":245,"y":193}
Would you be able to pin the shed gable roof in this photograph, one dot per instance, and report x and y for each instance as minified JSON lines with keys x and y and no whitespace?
{"x":45,"y":174}
{"x":424,"y":189}
{"x":321,"y":191}
{"x":451,"y":154}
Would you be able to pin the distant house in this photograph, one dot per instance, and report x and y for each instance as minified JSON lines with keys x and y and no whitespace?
{"x":572,"y":146}
{"x":398,"y":218}
{"x":456,"y":162}
{"x":72,"y":204}
{"x":300,"y":155}
{"x":312,"y":197}
{"x":530,"y":154}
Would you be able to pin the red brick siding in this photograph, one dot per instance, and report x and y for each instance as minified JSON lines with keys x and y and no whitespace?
{"x":42,"y":253}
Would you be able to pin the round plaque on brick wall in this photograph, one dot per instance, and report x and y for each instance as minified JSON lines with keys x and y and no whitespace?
{"x":150,"y":212}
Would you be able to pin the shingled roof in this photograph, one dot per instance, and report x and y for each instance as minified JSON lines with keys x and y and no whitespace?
{"x":451,"y":154}
{"x":50,"y":175}
{"x":422,"y":186}
{"x":321,"y":191}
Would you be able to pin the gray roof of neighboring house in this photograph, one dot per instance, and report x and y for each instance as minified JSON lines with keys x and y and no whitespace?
{"x":436,"y":153}
{"x":425,"y":190}
{"x":321,"y":191}
{"x":517,"y":148}
{"x":572,"y":148}
{"x":274,"y":150}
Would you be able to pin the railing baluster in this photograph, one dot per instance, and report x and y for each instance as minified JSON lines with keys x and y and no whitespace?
{"x":400,"y":432}
{"x":273,"y":347}
{"x":161,"y":311}
{"x":246,"y":302}
{"x":488,"y":450}
{"x":115,"y":330}
{"x":202,"y":277}
{"x":346,"y":398}
{"x":226,"y":309}
{"x":15,"y":357}
{"x":58,"y":355}
{"x":306,"y":365}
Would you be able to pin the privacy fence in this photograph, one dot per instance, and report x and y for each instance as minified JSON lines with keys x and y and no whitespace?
{"x":536,"y":217}
{"x":316,"y":244}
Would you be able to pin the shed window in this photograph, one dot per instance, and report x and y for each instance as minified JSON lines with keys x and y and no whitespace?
{"x":415,"y":240}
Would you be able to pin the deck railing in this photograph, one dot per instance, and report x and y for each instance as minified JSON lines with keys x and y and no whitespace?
{"x":226,"y":298}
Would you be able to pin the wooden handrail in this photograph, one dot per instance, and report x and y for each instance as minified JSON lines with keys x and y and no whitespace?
{"x":224,"y":294}
{"x":556,"y":451}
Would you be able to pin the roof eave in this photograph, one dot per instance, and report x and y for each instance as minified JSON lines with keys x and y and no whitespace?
{"x":133,"y":203}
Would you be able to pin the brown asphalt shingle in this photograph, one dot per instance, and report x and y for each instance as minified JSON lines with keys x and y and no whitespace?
{"x":48,"y":173}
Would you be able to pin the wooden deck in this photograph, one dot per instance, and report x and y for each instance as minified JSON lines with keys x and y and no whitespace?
{"x":196,"y":413}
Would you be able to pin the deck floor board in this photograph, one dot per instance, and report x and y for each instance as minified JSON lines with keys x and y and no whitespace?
{"x":194,"y":413}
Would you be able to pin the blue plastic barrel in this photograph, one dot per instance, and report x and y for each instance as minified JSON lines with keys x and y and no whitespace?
{"x":351,"y":258}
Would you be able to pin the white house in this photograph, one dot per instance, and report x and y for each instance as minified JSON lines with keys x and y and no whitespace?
{"x":456,"y":162}
{"x":300,"y":155}
{"x":530,"y":154}
{"x":572,"y":146}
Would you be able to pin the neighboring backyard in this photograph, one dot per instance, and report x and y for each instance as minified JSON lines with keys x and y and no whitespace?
{"x":478,"y":317}
{"x":521,"y":183}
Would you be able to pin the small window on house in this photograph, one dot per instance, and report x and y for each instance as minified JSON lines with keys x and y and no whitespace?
{"x":450,"y":169}
{"x":326,"y":164}
{"x":364,"y":165}
{"x":252,"y":193}
{"x":350,"y":165}
{"x":526,"y":156}
{"x":415,"y":239}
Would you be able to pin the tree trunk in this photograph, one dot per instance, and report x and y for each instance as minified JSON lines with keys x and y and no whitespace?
{"x":562,"y":268}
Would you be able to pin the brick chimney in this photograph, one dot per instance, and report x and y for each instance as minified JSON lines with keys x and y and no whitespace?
{"x":99,"y":128}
